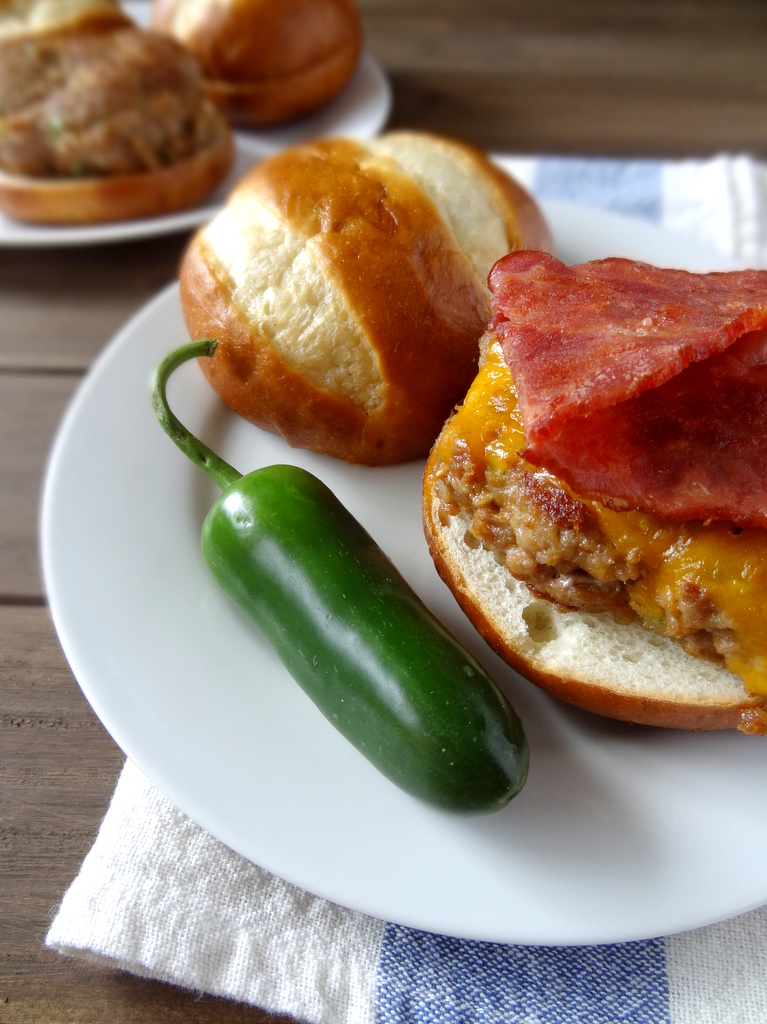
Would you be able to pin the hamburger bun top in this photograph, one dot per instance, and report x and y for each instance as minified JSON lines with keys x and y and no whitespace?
{"x":267,"y":61}
{"x":345,"y":282}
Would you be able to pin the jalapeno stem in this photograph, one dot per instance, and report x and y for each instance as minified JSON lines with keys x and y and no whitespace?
{"x":219,"y":471}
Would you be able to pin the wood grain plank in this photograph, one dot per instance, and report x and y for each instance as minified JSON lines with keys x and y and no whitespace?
{"x":61,"y":306}
{"x":529,"y":115}
{"x":654,"y":79}
{"x":30,"y":410}
{"x":57,"y":772}
{"x":742,"y":17}
{"x":492,"y":46}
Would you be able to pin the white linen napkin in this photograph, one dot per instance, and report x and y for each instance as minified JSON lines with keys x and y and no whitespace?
{"x":161,"y":898}
{"x":721,"y":202}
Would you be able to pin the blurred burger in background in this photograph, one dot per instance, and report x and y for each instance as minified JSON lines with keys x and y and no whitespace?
{"x":100,"y":121}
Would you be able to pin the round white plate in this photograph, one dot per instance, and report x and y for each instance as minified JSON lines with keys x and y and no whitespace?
{"x":360,"y":111}
{"x":621,"y":832}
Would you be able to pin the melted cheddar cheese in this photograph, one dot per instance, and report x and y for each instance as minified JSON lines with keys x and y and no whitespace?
{"x":724,"y":566}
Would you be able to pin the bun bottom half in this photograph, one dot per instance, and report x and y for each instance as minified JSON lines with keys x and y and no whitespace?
{"x":121,"y":196}
{"x":591,"y":660}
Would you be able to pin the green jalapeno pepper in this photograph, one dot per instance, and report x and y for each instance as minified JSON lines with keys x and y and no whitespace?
{"x":351,"y":631}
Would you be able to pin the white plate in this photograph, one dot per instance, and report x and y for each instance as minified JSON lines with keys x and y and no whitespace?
{"x":621,"y":833}
{"x":360,"y":111}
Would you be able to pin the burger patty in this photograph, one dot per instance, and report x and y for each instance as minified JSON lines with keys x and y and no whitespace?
{"x":543,"y":536}
{"x":559,"y":544}
{"x":553,"y":543}
{"x":100,"y":103}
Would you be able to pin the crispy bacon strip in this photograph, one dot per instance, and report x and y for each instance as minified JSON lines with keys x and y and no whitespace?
{"x":641,"y":387}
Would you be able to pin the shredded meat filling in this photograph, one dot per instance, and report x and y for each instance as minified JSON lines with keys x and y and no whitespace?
{"x":100,"y":103}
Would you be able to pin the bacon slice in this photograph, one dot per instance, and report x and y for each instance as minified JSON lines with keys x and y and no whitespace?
{"x":641,"y":387}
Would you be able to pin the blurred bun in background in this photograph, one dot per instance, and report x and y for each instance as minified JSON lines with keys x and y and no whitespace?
{"x":267,"y":61}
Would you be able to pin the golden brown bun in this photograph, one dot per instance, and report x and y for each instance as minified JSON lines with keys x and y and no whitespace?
{"x":347,"y":303}
{"x":591,"y":660}
{"x":121,"y":196}
{"x":267,"y":61}
{"x":25,"y":17}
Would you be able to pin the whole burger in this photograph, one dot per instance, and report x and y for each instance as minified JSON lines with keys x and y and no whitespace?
{"x":598,"y":504}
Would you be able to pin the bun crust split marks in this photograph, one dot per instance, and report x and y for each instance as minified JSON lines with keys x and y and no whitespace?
{"x":345,"y":284}
{"x":267,"y":61}
{"x":579,"y":561}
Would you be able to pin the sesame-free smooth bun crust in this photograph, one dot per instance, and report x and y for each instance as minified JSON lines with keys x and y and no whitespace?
{"x":615,"y":669}
{"x":267,"y":61}
{"x":345,"y":283}
{"x":92,"y":200}
{"x":261,"y":104}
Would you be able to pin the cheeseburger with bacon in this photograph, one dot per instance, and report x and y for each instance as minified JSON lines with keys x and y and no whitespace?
{"x":598,"y":504}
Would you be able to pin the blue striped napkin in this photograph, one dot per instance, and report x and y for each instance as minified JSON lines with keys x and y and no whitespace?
{"x":161,"y":898}
{"x":721,"y":202}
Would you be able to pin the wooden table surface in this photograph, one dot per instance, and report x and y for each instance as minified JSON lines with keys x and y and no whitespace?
{"x":613,"y":77}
